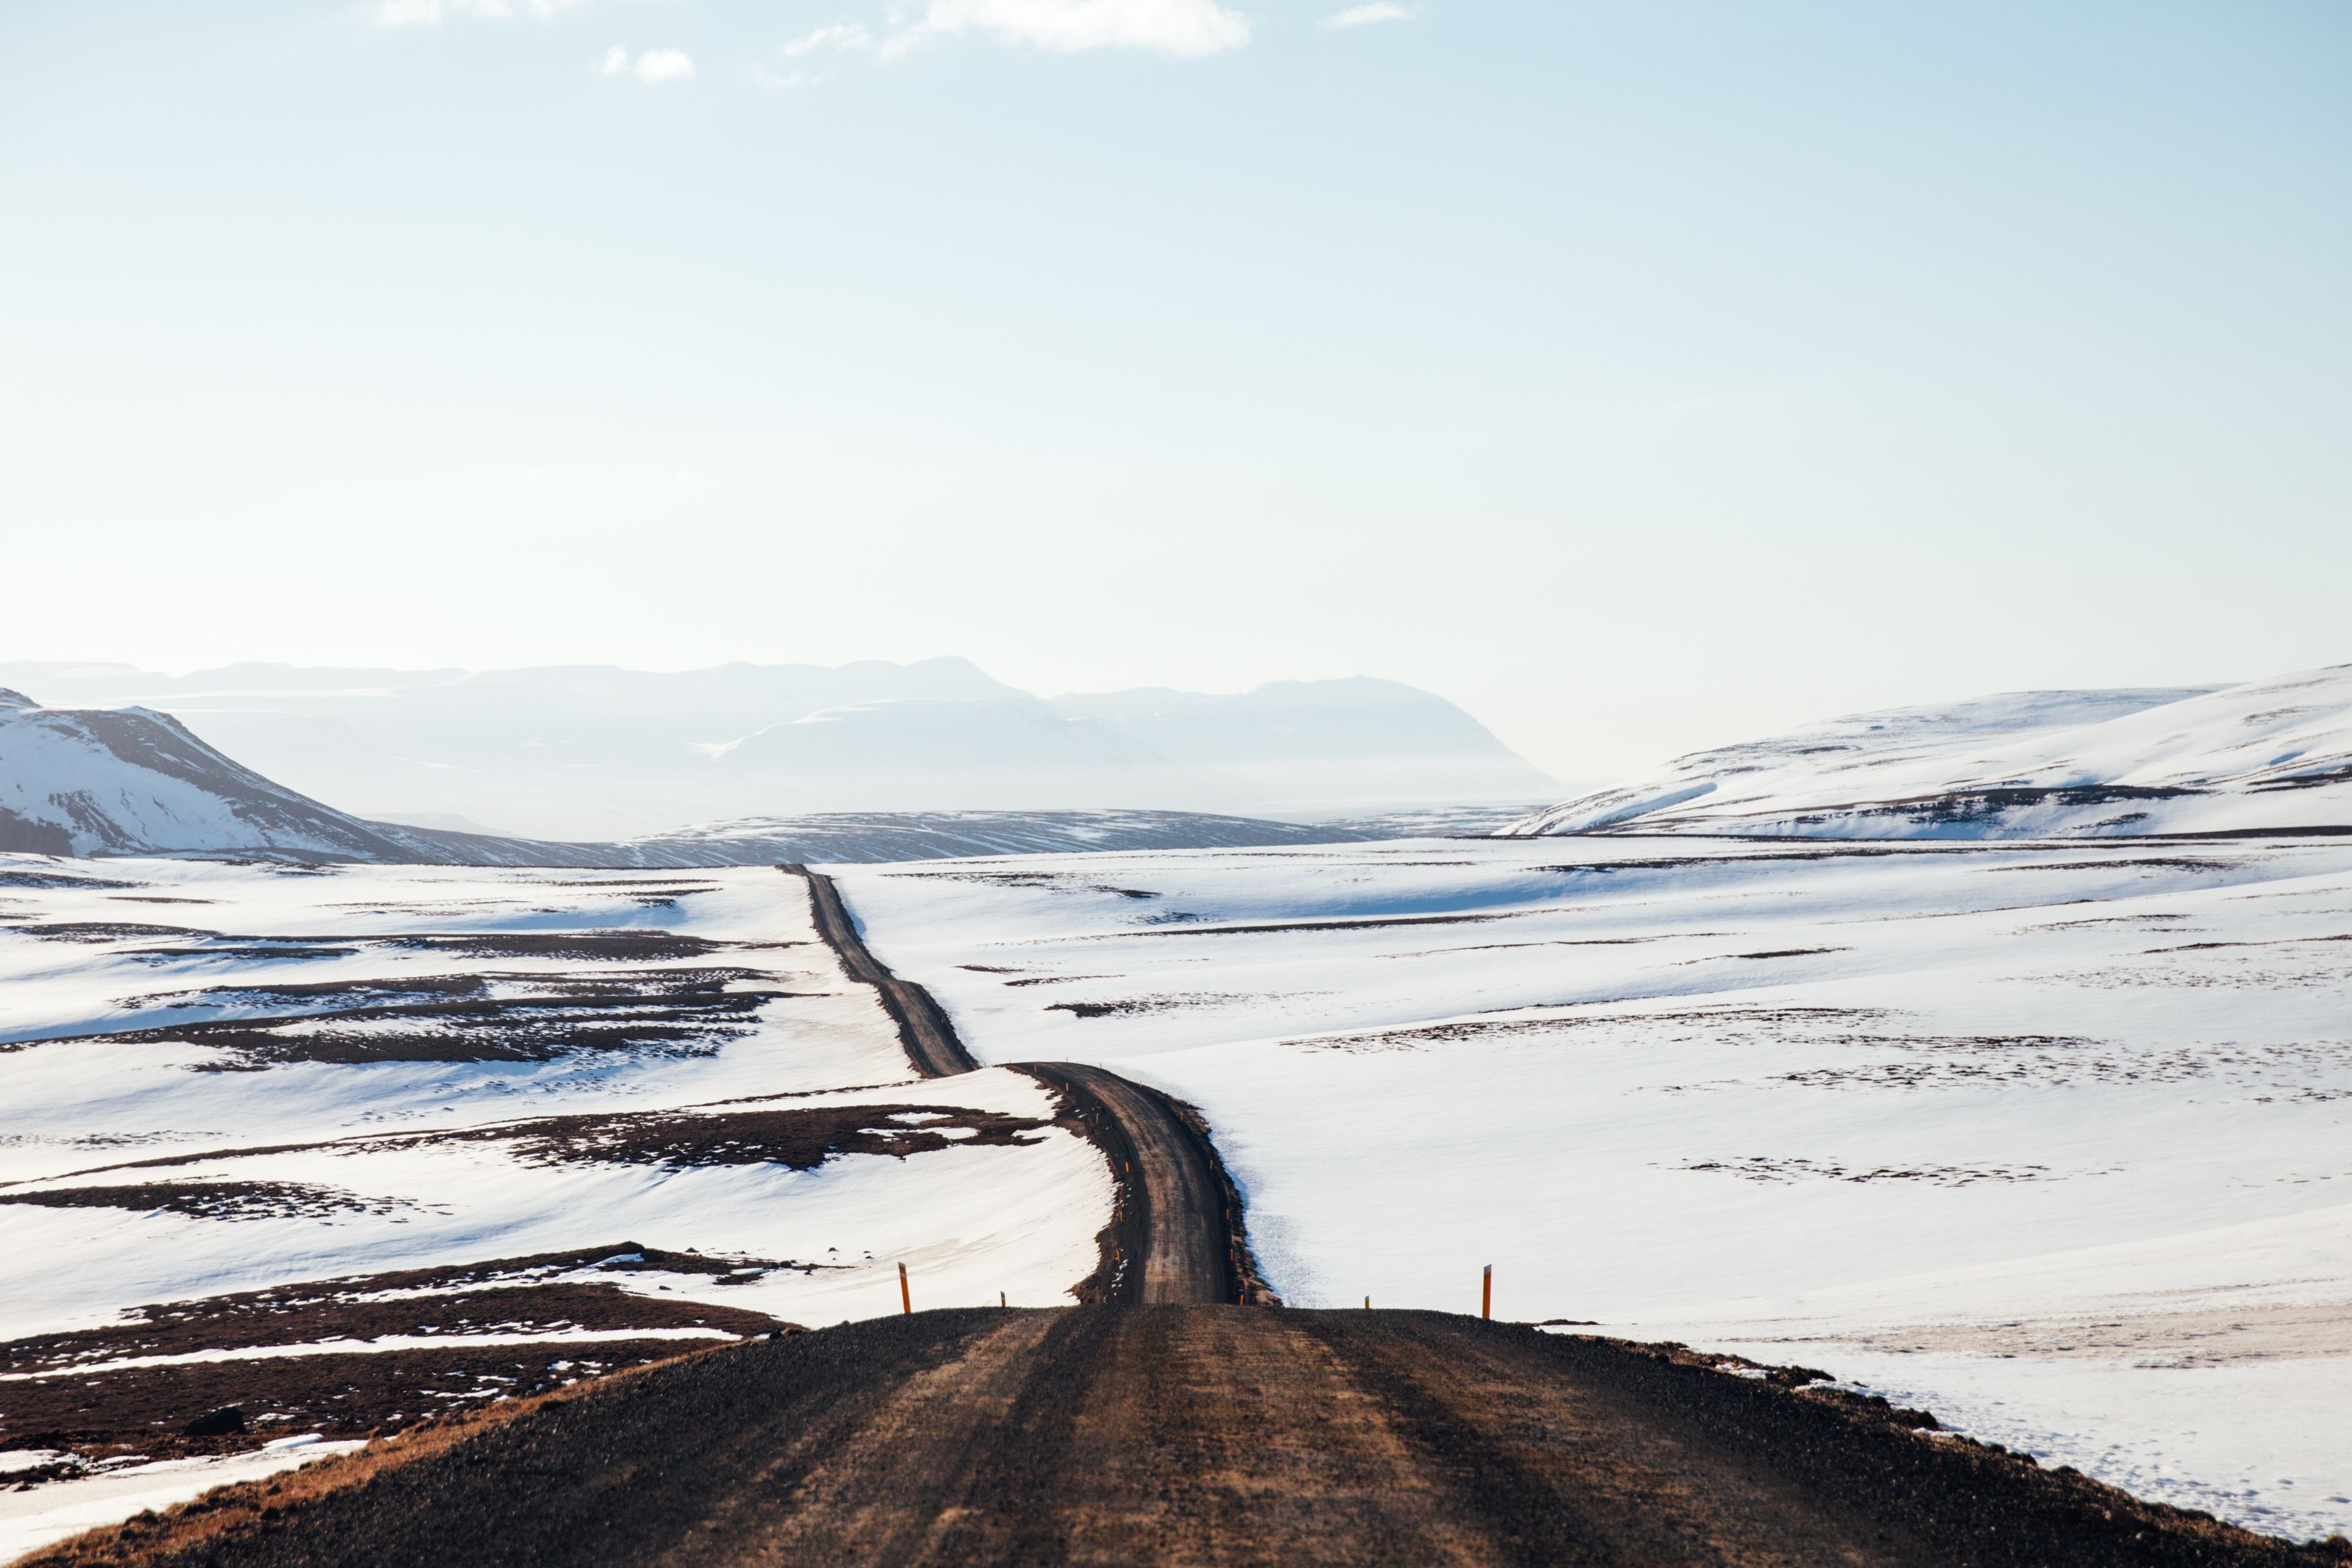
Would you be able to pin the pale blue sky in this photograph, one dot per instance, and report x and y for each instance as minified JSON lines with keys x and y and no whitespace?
{"x":1640,"y":375}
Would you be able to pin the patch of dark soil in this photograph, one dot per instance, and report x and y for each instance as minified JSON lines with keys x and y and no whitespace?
{"x":1789,"y":953}
{"x":297,"y":994}
{"x":1765,"y":1168}
{"x":1373,"y":922}
{"x":1052,"y":881}
{"x":1133,"y":1006}
{"x":245,"y":952}
{"x":99,"y":931}
{"x":146,"y":1410}
{"x":15,"y":878}
{"x":320,"y":1311}
{"x":1732,"y":1024}
{"x":579,"y":946}
{"x":213,"y":1200}
{"x":683,"y":1012}
{"x":2172,"y":863}
{"x":801,"y":1140}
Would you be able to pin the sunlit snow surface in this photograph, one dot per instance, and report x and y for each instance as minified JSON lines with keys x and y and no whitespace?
{"x":2051,"y":1139}
{"x":101,"y":961}
{"x":2058,"y":764}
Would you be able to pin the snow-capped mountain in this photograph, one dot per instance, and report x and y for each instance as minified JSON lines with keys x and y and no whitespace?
{"x":132,"y":782}
{"x":2268,"y":756}
{"x":598,"y":753}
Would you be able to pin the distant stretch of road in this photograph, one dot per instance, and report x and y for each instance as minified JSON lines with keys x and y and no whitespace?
{"x":1179,"y":1228}
{"x":929,"y":1040}
{"x":988,"y":1439}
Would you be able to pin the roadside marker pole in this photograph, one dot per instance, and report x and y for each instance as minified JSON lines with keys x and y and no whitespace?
{"x":1000,"y":1298}
{"x":1368,"y":1303}
{"x":1486,"y":1292}
{"x":906,"y":1298}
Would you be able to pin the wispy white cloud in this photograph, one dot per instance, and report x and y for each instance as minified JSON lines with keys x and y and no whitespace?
{"x":654,"y":65}
{"x":1180,"y":27}
{"x":799,"y":69}
{"x":1364,"y":15}
{"x":845,"y":36}
{"x":433,"y":13}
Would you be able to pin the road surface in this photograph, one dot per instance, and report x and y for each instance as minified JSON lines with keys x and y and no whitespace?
{"x":1187,"y":1435}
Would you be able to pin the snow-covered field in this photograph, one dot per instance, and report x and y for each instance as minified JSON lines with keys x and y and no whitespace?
{"x":549,"y":1115}
{"x":2052,"y":1139}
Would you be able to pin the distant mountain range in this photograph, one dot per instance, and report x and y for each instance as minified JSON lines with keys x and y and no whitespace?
{"x":134,"y":781}
{"x":2270,"y":756}
{"x":598,"y":753}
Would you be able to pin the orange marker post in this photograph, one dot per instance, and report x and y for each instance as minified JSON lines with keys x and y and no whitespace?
{"x":906,"y":1298}
{"x":1486,"y":1292}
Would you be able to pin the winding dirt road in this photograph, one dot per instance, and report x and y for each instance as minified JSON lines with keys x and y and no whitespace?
{"x":1181,"y":1238}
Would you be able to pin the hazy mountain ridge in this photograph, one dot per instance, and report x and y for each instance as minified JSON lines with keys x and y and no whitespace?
{"x":599,"y":753}
{"x":131,"y":781}
{"x":2264,"y":756}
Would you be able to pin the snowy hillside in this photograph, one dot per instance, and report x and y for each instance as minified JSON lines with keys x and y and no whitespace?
{"x":131,"y":781}
{"x":345,"y":1147}
{"x":2052,"y":1140}
{"x":597,"y":754}
{"x":2268,"y":756}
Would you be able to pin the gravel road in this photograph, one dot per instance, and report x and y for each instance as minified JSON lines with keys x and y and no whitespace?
{"x":1188,"y":1434}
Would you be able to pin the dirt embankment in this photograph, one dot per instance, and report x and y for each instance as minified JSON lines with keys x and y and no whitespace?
{"x":1188,"y":1434}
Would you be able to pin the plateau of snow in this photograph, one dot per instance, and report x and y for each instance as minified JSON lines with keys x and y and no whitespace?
{"x":2261,"y":757}
{"x":2052,"y":1139}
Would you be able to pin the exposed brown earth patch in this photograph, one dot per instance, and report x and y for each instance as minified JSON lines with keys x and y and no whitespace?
{"x":212,"y":1200}
{"x":69,"y":1391}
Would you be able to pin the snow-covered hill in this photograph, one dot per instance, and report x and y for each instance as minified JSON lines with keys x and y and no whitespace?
{"x":2268,"y":756}
{"x":131,"y":781}
{"x":596,"y":753}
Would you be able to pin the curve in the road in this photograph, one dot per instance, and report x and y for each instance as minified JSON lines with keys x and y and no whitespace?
{"x":1178,"y":1234}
